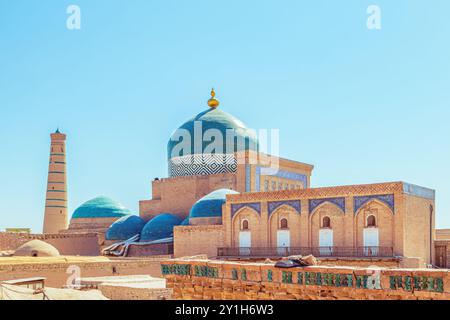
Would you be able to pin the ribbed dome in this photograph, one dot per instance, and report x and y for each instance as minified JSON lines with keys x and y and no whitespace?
{"x":125,"y":228}
{"x":160,"y":227}
{"x":213,"y":118}
{"x":211,"y":204}
{"x":100,"y":207}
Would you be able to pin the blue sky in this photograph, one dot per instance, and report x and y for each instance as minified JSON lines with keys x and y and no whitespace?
{"x":361,"y":105}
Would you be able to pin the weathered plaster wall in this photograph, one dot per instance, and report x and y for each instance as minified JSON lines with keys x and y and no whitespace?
{"x":56,"y":273}
{"x":194,"y":240}
{"x":129,"y":293}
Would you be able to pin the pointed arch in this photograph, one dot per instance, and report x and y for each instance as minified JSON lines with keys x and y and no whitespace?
{"x":362,"y":201}
{"x":275,"y":205}
{"x":372,"y":201}
{"x":317,"y":208}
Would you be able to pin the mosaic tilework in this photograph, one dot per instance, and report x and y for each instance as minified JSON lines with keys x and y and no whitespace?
{"x":276,"y":204}
{"x":418,"y":191}
{"x":236,"y":207}
{"x":202,"y":164}
{"x":314,"y":203}
{"x":360,"y":201}
{"x":279,"y":174}
{"x":324,"y":192}
{"x":248,"y":177}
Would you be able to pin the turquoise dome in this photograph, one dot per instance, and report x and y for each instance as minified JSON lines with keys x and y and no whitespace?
{"x":185,"y":222}
{"x":100,"y":207}
{"x":125,"y":227}
{"x":214,"y":118}
{"x":160,"y":227}
{"x":211,"y":204}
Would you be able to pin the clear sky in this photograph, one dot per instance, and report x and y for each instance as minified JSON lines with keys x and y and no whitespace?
{"x":362,"y":105}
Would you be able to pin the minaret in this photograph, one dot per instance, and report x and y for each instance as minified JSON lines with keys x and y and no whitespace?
{"x":55,"y":216}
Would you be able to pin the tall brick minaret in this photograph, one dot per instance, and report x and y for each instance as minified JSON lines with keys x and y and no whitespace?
{"x":55,"y":216}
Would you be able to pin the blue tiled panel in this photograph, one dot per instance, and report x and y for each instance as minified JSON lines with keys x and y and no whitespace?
{"x":314,"y":203}
{"x":238,"y":206}
{"x":360,"y":201}
{"x":418,"y":191}
{"x":279,"y":174}
{"x":248,"y":178}
{"x":292,"y":203}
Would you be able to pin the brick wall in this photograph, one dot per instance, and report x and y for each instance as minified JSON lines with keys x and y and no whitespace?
{"x":129,"y":293}
{"x":195,"y":279}
{"x":194,"y":240}
{"x":83,"y":244}
{"x":56,"y":272}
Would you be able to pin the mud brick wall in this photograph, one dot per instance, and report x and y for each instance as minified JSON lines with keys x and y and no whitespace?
{"x":129,"y":293}
{"x":206,"y":279}
{"x":83,"y":244}
{"x":56,"y":274}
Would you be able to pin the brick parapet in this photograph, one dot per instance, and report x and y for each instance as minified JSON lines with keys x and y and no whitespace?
{"x":207,"y":279}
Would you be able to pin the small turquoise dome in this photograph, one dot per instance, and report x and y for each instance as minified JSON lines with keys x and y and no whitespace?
{"x":101,"y":207}
{"x":211,"y":204}
{"x":125,"y":228}
{"x":213,"y":118}
{"x":159,"y":227}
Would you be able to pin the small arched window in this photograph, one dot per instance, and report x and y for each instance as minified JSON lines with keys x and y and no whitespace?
{"x":326,"y":223}
{"x":431,"y":209}
{"x":371,"y":221}
{"x":245,"y":224}
{"x":283,"y":223}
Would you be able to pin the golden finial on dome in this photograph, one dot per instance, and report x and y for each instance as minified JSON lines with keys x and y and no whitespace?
{"x":213,"y":103}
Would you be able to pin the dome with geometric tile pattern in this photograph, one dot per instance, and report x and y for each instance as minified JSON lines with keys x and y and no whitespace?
{"x":206,"y":143}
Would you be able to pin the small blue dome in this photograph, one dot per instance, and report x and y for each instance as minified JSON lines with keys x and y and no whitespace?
{"x":101,"y":207}
{"x":125,"y":228}
{"x":160,"y":227}
{"x":211,"y":204}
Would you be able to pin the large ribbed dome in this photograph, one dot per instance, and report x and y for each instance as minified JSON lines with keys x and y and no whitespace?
{"x":160,"y":227}
{"x":213,"y":119}
{"x":211,"y":204}
{"x":101,"y":207}
{"x":125,"y":228}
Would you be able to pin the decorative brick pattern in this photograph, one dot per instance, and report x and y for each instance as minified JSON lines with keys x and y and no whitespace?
{"x":262,"y":281}
{"x":325,"y":192}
